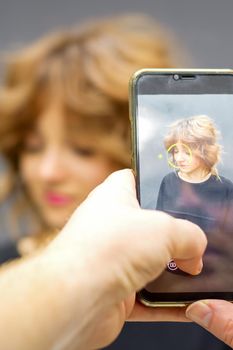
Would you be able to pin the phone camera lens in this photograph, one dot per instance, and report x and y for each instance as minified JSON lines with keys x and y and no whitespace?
{"x":176,"y":77}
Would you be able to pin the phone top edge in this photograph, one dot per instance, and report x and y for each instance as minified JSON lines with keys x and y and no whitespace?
{"x":182,"y":70}
{"x":209,"y":71}
{"x":136,"y":75}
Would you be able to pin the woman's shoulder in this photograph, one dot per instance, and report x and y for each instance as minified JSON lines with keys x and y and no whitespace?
{"x":226,"y":181}
{"x":171,"y":176}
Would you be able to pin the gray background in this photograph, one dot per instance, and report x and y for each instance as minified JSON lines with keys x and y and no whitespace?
{"x":203,"y":26}
{"x":205,"y":29}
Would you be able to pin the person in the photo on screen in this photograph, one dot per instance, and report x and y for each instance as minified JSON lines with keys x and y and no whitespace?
{"x":195,"y":191}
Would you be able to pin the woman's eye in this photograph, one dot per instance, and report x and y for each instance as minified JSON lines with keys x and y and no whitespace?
{"x":33,"y":142}
{"x":84,"y":151}
{"x":32,"y":146}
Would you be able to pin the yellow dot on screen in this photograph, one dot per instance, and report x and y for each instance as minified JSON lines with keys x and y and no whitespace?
{"x":160,"y":156}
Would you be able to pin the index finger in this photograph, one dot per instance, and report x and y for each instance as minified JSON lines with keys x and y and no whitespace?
{"x":157,"y":238}
{"x":177,"y":239}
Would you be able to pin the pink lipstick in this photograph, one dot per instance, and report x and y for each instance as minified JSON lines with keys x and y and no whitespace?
{"x":56,"y":199}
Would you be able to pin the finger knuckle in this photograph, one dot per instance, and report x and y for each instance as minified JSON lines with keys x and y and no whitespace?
{"x":168,"y":222}
{"x":228,"y":333}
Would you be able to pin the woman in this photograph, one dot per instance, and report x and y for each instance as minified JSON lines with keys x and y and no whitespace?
{"x":196,"y":192}
{"x":64,"y":117}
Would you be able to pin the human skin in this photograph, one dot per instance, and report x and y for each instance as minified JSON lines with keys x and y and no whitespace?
{"x":78,"y":292}
{"x":214,"y":315}
{"x":57,"y":171}
{"x":191,"y":167}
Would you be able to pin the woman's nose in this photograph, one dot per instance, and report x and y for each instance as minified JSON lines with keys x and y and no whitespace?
{"x":52,"y":166}
{"x":180,"y":156}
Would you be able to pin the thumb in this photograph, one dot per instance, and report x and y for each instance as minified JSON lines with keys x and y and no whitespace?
{"x":214,"y":315}
{"x":118,"y":188}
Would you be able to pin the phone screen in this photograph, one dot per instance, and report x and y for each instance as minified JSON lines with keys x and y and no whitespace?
{"x":184,"y":136}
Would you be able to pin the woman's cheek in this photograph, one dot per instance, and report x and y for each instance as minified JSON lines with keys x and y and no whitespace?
{"x":93,"y":173}
{"x":29,"y":169}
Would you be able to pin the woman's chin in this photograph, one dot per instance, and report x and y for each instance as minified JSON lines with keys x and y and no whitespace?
{"x":56,"y":221}
{"x":56,"y":217}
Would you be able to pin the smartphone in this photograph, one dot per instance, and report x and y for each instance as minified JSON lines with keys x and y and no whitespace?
{"x":182,"y":142}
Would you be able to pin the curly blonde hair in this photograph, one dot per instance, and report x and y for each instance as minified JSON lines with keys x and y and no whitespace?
{"x":88,"y":69}
{"x":201,"y":135}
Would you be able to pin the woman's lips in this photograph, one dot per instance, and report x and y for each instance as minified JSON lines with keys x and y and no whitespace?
{"x":57,"y":199}
{"x":183,"y":165}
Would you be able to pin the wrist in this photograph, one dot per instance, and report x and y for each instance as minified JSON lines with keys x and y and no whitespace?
{"x":75,"y":296}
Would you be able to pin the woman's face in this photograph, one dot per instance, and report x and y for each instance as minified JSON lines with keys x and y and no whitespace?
{"x":186,"y":160}
{"x":57,"y":173}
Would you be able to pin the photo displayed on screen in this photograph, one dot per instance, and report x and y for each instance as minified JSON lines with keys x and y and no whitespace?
{"x":186,"y":170}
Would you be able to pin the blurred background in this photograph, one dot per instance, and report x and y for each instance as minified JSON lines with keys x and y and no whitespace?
{"x":203,"y":28}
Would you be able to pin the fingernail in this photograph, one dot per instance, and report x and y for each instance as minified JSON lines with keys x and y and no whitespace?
{"x":200,"y":266}
{"x":200,"y":313}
